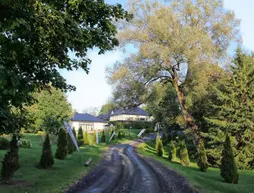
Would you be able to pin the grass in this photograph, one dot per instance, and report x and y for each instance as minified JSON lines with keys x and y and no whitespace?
{"x":64,"y":172}
{"x":210,"y":181}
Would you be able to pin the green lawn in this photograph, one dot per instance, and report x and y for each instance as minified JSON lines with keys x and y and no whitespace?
{"x":210,"y":181}
{"x":63,"y":173}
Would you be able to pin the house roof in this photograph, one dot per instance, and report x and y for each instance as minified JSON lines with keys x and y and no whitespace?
{"x":86,"y":117}
{"x":104,"y":117}
{"x":129,"y":111}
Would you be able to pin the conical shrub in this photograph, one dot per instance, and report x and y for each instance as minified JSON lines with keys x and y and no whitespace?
{"x":103,"y":137}
{"x":47,"y":160}
{"x":202,"y":159}
{"x":61,"y":151}
{"x":94,"y":138}
{"x":80,"y":137}
{"x":184,"y":156}
{"x":119,"y":135}
{"x":164,"y":139}
{"x":75,"y":136}
{"x":228,"y":170}
{"x":159,"y":147}
{"x":172,"y":151}
{"x":7,"y":170}
{"x":14,"y":149}
{"x":86,"y":140}
{"x":69,"y":144}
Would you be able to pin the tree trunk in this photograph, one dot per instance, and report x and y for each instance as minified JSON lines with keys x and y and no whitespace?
{"x":189,"y":120}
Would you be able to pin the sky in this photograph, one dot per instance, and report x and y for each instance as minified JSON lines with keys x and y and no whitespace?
{"x":92,"y":89}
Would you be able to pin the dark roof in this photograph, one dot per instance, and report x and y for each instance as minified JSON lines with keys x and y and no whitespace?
{"x":86,"y":117}
{"x":129,"y":111}
{"x":104,"y":117}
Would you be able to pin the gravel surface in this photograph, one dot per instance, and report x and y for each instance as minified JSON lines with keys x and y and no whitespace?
{"x":122,"y":170}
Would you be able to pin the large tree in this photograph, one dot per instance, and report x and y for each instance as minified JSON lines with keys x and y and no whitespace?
{"x":36,"y":39}
{"x":176,"y":41}
{"x":50,"y":110}
{"x":232,"y":112}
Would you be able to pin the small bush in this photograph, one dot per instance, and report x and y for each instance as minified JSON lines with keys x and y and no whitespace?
{"x":228,"y":169}
{"x":159,"y":149}
{"x":184,"y":156}
{"x":61,"y":151}
{"x":94,"y":138}
{"x":103,"y":137}
{"x":119,"y":135}
{"x":80,"y":137}
{"x":4,"y":143}
{"x":47,"y":160}
{"x":86,"y":140}
{"x":202,"y":159}
{"x":172,"y":151}
{"x":25,"y":143}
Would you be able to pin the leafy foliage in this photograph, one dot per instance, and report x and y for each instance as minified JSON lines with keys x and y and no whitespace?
{"x":228,"y":169}
{"x":202,"y":159}
{"x":47,"y":160}
{"x":25,"y":143}
{"x":172,"y":151}
{"x":36,"y":39}
{"x":184,"y":156}
{"x":61,"y":151}
{"x":80,"y":137}
{"x":119,"y":135}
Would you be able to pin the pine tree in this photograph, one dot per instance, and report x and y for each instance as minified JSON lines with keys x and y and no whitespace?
{"x":119,"y":135}
{"x":184,"y":156}
{"x":164,"y":139}
{"x":87,"y":142}
{"x":61,"y":151}
{"x":228,"y":169}
{"x":11,"y":161}
{"x":172,"y":151}
{"x":47,"y":160}
{"x":103,"y":137}
{"x":202,"y":159}
{"x":75,"y":136}
{"x":69,"y":144}
{"x":14,"y":149}
{"x":233,"y":112}
{"x":159,"y":149}
{"x":80,"y":137}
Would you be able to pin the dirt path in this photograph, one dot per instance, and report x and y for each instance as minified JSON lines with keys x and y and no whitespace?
{"x":122,"y":171}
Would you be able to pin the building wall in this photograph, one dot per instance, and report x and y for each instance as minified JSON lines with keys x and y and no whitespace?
{"x":89,"y":126}
{"x":129,"y":118}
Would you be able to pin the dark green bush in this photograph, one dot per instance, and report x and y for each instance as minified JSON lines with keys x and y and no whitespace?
{"x":103,"y":137}
{"x":172,"y":151}
{"x":14,"y":149}
{"x":202,"y":159}
{"x":7,"y":170}
{"x":61,"y":151}
{"x":47,"y":160}
{"x":184,"y":156}
{"x":228,"y":170}
{"x":75,"y":136}
{"x":69,"y":144}
{"x":4,"y":143}
{"x":25,"y":143}
{"x":119,"y":135}
{"x":80,"y":137}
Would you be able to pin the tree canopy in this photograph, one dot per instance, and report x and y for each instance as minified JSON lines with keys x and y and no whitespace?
{"x":176,"y":42}
{"x":36,"y":39}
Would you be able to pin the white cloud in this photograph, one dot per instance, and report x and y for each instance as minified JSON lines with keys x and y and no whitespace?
{"x":91,"y":89}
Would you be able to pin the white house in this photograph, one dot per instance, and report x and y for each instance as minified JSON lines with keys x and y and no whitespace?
{"x":126,"y":114}
{"x":87,"y":122}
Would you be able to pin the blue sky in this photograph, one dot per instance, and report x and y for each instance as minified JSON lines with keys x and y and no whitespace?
{"x":92,"y":89}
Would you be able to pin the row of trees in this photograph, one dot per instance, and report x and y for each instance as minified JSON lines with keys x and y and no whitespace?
{"x":181,"y":73}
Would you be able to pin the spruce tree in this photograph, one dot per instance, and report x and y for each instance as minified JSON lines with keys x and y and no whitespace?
{"x":80,"y":137}
{"x":14,"y":149}
{"x":172,"y":151}
{"x":86,"y":140}
{"x":47,"y":160}
{"x":233,"y":112}
{"x":69,"y":144}
{"x":228,"y":169}
{"x":119,"y":135}
{"x":164,"y":139}
{"x":61,"y":151}
{"x":75,"y":136}
{"x":184,"y":156}
{"x":159,"y":149}
{"x":202,"y":159}
{"x":103,"y":137}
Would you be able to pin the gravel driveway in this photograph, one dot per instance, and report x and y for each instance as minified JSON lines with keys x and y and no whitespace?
{"x":123,"y":170}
